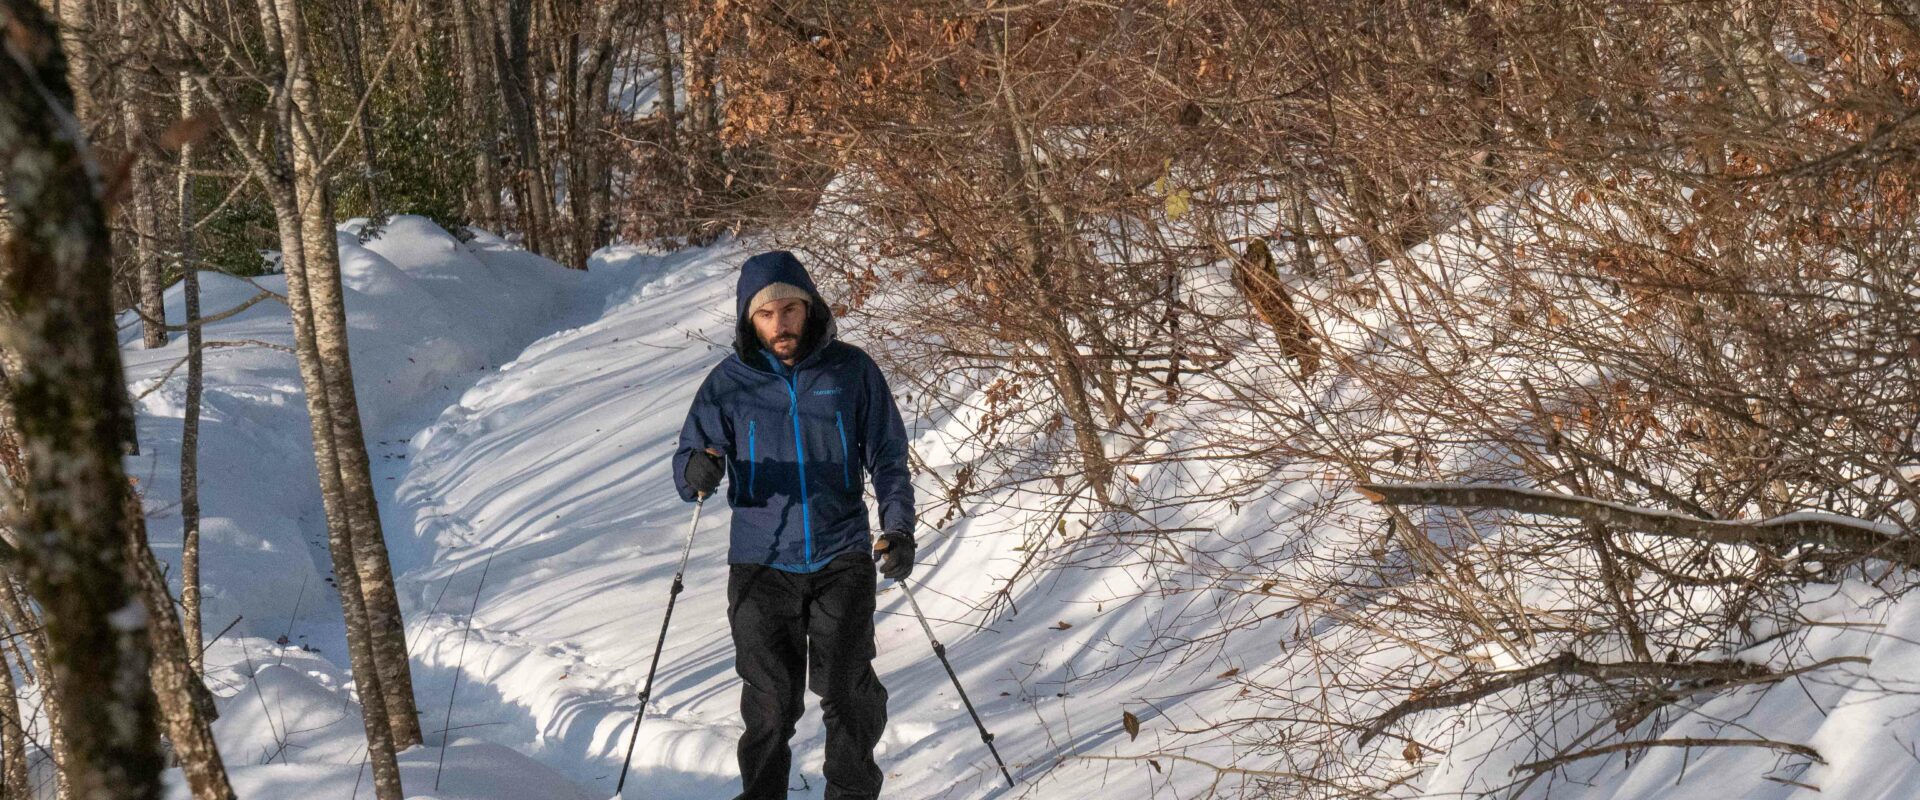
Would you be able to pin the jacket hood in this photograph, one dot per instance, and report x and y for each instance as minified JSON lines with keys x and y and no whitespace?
{"x":777,"y":266}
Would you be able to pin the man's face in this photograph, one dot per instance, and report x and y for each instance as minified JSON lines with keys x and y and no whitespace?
{"x":779,"y":324}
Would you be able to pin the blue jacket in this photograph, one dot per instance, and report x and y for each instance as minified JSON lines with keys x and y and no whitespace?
{"x":798,"y":441}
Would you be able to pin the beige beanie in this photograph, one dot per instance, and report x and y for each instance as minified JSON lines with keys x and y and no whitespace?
{"x":776,"y":291}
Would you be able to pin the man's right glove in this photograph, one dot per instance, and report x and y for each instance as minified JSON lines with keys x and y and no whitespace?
{"x":703,"y":472}
{"x":894,"y":553}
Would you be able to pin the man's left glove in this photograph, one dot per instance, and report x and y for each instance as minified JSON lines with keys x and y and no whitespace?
{"x":894,"y":553}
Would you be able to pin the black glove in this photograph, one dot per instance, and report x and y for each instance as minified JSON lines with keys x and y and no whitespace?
{"x":703,"y":472}
{"x":894,"y":553}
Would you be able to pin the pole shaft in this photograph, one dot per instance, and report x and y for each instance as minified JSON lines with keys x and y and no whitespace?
{"x":940,"y":651}
{"x":646,"y":690}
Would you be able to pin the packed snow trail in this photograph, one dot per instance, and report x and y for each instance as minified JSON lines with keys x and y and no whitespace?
{"x":583,"y":529}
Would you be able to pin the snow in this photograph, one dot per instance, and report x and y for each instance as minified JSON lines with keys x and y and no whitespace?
{"x":521,"y":417}
{"x":428,"y":315}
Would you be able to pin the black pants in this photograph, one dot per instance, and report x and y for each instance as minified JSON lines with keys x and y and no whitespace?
{"x":789,"y":628}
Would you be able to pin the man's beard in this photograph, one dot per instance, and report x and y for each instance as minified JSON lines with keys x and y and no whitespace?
{"x":784,"y":339}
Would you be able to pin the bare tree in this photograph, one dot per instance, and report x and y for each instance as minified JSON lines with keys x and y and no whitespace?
{"x":189,"y":267}
{"x":72,"y":412}
{"x":185,"y":704}
{"x":293,"y":171}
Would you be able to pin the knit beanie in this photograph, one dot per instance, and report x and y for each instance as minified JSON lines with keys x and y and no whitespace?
{"x":776,"y":291}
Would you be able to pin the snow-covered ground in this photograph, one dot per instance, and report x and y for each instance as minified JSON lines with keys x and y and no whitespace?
{"x":550,"y":476}
{"x":522,"y":418}
{"x":429,"y":316}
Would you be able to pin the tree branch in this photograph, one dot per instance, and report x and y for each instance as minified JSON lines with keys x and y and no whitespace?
{"x":1831,"y":530}
{"x":1549,"y":763}
{"x":244,"y":305}
{"x":1715,"y":673}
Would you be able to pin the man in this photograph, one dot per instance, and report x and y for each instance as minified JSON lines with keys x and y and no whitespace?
{"x":793,"y":418}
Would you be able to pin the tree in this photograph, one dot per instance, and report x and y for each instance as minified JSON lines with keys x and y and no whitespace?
{"x":72,"y":411}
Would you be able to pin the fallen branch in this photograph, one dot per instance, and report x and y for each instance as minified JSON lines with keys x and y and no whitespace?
{"x":210,"y":319}
{"x":1716,"y":674}
{"x":1831,"y":530}
{"x":249,"y":343}
{"x":168,"y":375}
{"x":1560,"y":760}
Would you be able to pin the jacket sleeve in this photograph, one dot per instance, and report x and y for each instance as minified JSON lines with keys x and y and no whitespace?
{"x":705,"y":427}
{"x":885,"y":445}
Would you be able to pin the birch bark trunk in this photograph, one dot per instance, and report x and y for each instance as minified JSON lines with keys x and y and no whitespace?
{"x":15,"y":782}
{"x":185,"y":704}
{"x":319,"y":244}
{"x":72,"y":410}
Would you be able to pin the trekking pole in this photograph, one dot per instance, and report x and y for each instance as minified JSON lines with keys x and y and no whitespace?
{"x":940,"y":650}
{"x":646,"y":692}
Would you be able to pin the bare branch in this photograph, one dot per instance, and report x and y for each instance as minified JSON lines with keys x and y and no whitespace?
{"x":1833,"y":531}
{"x":1549,"y":763}
{"x":1717,"y":674}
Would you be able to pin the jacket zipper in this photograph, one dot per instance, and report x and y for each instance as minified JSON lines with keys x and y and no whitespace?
{"x":800,"y":450}
{"x":846,"y":460}
{"x":753,"y":464}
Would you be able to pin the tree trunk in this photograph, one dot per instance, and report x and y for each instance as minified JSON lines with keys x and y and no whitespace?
{"x":185,"y":703}
{"x":375,"y":572}
{"x":142,"y":181}
{"x":1069,"y":381}
{"x":14,"y":608}
{"x":478,"y":79}
{"x":386,"y":770}
{"x":15,"y":777}
{"x":190,"y":427}
{"x":665,"y":58}
{"x":15,"y":781}
{"x":71,"y":406}
{"x":586,"y":115}
{"x":327,"y":304}
{"x":271,"y":170}
{"x":351,"y":38}
{"x":77,"y":18}
{"x":516,"y":86}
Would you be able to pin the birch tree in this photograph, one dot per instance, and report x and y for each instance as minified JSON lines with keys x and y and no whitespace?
{"x":72,"y":411}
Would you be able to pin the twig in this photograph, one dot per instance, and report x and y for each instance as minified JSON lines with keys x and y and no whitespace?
{"x":459,"y":664}
{"x":216,"y":637}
